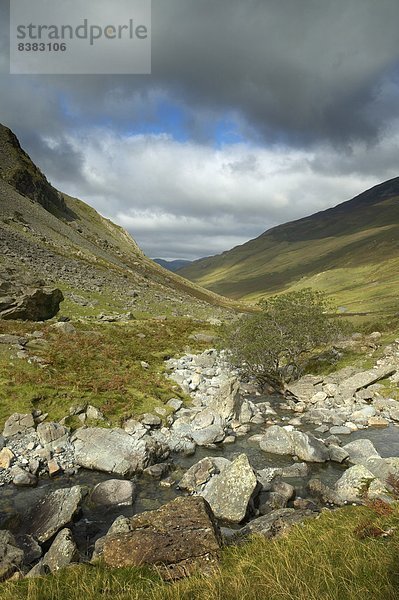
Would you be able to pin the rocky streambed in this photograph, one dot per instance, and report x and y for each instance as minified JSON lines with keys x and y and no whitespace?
{"x":233,"y":459}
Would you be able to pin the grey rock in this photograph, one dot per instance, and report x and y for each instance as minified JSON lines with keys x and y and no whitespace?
{"x":35,"y":305}
{"x":115,"y":451}
{"x":31,"y":549}
{"x":276,"y":523}
{"x":114,"y":492}
{"x":54,"y":511}
{"x":63,"y":551}
{"x":354,"y":483}
{"x":340,"y":430}
{"x":227,"y":401}
{"x":309,"y":448}
{"x":11,"y":557}
{"x":157,"y":471}
{"x":22,"y":478}
{"x":18,"y":424}
{"x":94,"y":414}
{"x":360,"y":451}
{"x":229,"y":492}
{"x":383,"y":468}
{"x":208,"y":435}
{"x":277,"y":440}
{"x":337,"y":454}
{"x":361,"y":380}
{"x":199,"y":474}
{"x":64,"y":327}
{"x":52,"y":434}
{"x":295,"y":470}
{"x":151,"y":420}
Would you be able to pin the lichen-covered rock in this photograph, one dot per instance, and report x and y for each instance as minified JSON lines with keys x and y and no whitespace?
{"x":199,"y":474}
{"x":360,"y":451}
{"x":229,"y":492}
{"x":53,"y":512}
{"x":63,"y":551}
{"x":277,"y":440}
{"x":354,"y":483}
{"x":179,"y":538}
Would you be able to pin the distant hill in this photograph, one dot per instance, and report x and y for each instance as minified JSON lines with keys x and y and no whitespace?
{"x":45,"y":234}
{"x":172,"y":265}
{"x":350,"y":251}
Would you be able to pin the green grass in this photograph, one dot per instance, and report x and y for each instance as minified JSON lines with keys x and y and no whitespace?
{"x":99,"y":365}
{"x":322,"y":559}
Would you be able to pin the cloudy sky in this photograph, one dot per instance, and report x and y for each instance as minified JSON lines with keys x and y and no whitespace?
{"x":255,"y":113}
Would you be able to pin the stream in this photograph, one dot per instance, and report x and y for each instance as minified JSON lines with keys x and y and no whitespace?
{"x":94,"y":521}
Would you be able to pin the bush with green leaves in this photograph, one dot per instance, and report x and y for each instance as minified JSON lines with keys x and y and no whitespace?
{"x":275,"y":343}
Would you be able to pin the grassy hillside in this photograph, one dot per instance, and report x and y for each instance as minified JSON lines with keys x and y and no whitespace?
{"x":50,"y":235}
{"x":350,"y":251}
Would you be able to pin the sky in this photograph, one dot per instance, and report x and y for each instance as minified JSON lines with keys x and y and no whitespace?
{"x":255,"y":113}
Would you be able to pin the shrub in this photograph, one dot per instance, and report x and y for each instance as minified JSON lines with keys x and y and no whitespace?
{"x":274,"y":344}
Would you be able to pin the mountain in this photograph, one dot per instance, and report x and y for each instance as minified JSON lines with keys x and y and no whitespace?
{"x":350,"y":251}
{"x":172,"y":265}
{"x":48,"y":235}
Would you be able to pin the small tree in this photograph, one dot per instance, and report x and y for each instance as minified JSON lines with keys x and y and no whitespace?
{"x":274,"y":344}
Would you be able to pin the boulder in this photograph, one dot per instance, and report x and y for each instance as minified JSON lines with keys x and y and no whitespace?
{"x":22,"y":478}
{"x":114,"y":492}
{"x":359,"y":451}
{"x":227,"y":401}
{"x":11,"y":557}
{"x":34,"y":305}
{"x":383,"y":468}
{"x":53,"y":512}
{"x":64,"y":327}
{"x":18,"y":424}
{"x":309,"y":448}
{"x":199,"y":474}
{"x":209,"y":435}
{"x":115,"y":451}
{"x":354,"y":483}
{"x":6,"y":458}
{"x":52,"y":435}
{"x":275,"y":523}
{"x":229,"y":492}
{"x":179,"y":538}
{"x":63,"y":551}
{"x":277,"y":440}
{"x":348,"y":387}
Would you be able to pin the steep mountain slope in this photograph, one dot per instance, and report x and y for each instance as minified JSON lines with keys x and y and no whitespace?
{"x":351,"y":251}
{"x":45,"y":234}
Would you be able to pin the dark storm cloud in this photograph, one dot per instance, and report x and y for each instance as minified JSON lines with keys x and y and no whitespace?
{"x":308,"y":88}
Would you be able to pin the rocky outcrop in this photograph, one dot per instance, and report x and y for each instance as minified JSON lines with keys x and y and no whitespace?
{"x":179,"y":538}
{"x":38,"y":304}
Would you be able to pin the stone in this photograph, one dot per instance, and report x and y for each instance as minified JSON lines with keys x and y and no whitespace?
{"x":39,"y":570}
{"x":354,"y":483}
{"x":18,"y":424}
{"x":175,"y":404}
{"x":11,"y":557}
{"x":157,"y":471}
{"x":229,"y":492}
{"x":363,"y":414}
{"x":151,"y":420}
{"x":309,"y":448}
{"x":377,"y":422}
{"x":295,"y":470}
{"x":52,"y":434}
{"x":64,"y":327}
{"x":180,"y":538}
{"x":12,"y":340}
{"x":208,"y":435}
{"x":63,"y":551}
{"x":115,"y":451}
{"x":114,"y":492}
{"x":94,"y":414}
{"x":53,"y":467}
{"x":227,"y":401}
{"x":356,"y":382}
{"x":340,"y":430}
{"x":276,"y":523}
{"x":318,"y":397}
{"x":38,"y":304}
{"x":199,"y":474}
{"x":318,"y":489}
{"x":31,"y":549}
{"x":22,"y":478}
{"x":277,"y":440}
{"x":54,"y":511}
{"x":6,"y":458}
{"x":360,"y":451}
{"x":383,"y":468}
{"x":337,"y":454}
